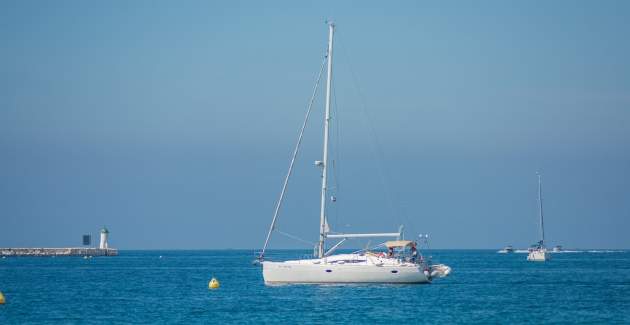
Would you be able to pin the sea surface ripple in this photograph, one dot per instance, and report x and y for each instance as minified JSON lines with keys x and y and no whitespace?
{"x":172,"y":287}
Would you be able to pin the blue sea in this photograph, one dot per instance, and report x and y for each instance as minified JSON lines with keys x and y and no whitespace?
{"x":147,"y":287}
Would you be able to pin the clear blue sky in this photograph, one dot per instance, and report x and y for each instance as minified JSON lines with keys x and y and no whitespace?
{"x":172,"y":122}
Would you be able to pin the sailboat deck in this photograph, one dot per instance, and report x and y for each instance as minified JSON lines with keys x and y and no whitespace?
{"x":355,"y":259}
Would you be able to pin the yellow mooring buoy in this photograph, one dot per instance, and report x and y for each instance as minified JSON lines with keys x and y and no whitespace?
{"x":2,"y":301}
{"x":213,"y":284}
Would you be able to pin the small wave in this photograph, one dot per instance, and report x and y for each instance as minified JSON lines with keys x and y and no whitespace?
{"x":587,"y":251}
{"x":569,"y":251}
{"x":515,"y":251}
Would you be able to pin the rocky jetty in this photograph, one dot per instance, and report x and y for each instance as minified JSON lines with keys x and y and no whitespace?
{"x":78,"y":251}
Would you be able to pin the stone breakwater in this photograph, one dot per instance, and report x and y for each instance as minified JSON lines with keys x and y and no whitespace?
{"x":58,"y":251}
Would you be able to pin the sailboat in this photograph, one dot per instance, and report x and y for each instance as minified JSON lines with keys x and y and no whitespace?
{"x":538,"y":252}
{"x":401,"y":263}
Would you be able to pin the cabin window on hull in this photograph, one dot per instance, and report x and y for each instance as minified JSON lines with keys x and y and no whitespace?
{"x":394,"y":271}
{"x":328,"y":271}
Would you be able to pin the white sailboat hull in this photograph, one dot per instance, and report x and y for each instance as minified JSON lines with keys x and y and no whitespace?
{"x":538,"y":255}
{"x":283,"y":272}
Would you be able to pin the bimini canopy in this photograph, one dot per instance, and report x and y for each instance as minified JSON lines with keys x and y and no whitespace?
{"x":399,"y":243}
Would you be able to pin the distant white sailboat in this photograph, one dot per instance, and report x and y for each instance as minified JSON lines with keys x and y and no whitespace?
{"x":538,"y":252}
{"x":401,"y":264}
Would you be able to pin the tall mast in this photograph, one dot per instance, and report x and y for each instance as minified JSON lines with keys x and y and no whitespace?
{"x":540,"y":209}
{"x":322,"y":216}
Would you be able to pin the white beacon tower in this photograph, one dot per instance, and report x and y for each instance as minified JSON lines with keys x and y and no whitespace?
{"x":104,"y":234}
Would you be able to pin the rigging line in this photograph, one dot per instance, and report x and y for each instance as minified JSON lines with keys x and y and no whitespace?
{"x":295,"y":152}
{"x":377,"y":147}
{"x":368,"y":249}
{"x":337,"y":138}
{"x":335,"y":162}
{"x":295,"y":237}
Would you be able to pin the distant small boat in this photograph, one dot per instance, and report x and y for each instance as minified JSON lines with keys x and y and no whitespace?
{"x":558,"y":249}
{"x":507,"y":249}
{"x":538,"y":252}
